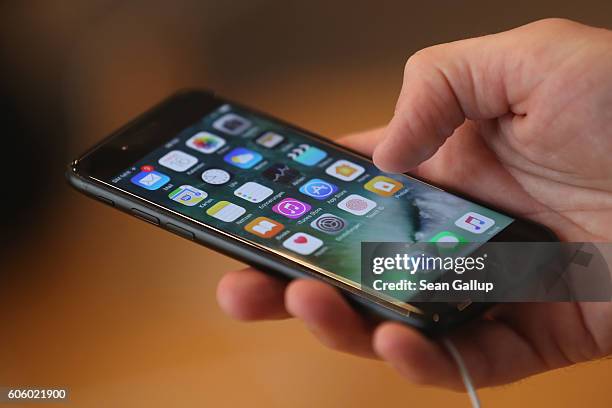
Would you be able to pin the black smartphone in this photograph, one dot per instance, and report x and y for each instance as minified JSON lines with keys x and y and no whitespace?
{"x":282,"y":199}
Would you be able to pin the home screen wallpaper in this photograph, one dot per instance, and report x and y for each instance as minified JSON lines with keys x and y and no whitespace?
{"x":279,"y":188}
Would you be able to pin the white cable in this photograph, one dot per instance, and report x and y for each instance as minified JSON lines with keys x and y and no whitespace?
{"x":465,"y":375}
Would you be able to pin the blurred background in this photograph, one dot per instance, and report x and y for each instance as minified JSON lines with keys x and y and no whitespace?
{"x":124,"y":314}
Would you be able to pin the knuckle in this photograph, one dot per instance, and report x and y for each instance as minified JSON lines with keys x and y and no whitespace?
{"x":556,"y":22}
{"x":420,"y":59}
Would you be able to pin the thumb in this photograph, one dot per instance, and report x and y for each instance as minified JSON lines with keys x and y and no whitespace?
{"x":479,"y":78}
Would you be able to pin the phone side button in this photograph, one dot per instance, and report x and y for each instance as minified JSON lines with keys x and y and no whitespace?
{"x":105,"y":200}
{"x":181,"y":232}
{"x":144,"y":216}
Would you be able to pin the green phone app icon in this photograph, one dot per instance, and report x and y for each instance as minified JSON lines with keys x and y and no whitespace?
{"x":447,"y":240}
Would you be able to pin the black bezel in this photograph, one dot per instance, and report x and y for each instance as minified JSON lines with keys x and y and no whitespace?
{"x":155,"y":127}
{"x":135,"y":140}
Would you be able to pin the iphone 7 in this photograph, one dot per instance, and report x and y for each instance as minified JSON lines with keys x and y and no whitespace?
{"x":282,"y":199}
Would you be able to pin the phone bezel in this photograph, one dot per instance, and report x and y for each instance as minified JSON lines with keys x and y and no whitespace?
{"x":155,"y":127}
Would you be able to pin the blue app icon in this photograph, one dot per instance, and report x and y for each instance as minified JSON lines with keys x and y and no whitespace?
{"x":307,"y":155}
{"x":242,"y":158}
{"x":319,"y":189}
{"x":151,"y":180}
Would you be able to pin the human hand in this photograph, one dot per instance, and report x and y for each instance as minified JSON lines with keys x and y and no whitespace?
{"x":521,"y":120}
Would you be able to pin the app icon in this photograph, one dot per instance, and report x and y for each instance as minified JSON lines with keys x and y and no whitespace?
{"x":281,"y":173}
{"x":151,"y":180}
{"x":242,"y":158}
{"x":319,"y":189}
{"x":329,"y":224}
{"x":474,"y":222}
{"x":264,"y":227}
{"x":253,"y":192}
{"x":302,"y":243}
{"x":205,"y":142}
{"x":345,"y":170}
{"x":270,"y":140}
{"x":384,"y":186}
{"x":307,"y":155}
{"x":356,"y":204}
{"x":225,"y":211}
{"x":177,"y":160}
{"x":447,"y":240}
{"x":216,"y":176}
{"x":291,"y":208}
{"x":188,"y":195}
{"x":232,"y":124}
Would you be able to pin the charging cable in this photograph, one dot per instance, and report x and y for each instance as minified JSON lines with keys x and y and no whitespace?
{"x":465,"y":375}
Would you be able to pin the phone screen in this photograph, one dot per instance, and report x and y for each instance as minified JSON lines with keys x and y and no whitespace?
{"x":276,"y":187}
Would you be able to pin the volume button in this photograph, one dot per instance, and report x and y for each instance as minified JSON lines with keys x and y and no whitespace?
{"x":144,"y":216}
{"x":180,"y":231}
{"x":105,"y":200}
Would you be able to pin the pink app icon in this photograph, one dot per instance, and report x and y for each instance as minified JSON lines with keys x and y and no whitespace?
{"x":291,"y":208}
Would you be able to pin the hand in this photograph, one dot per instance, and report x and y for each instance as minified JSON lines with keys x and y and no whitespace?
{"x":521,"y":120}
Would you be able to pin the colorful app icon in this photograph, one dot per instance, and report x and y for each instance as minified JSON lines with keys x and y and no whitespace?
{"x":232,"y":124}
{"x":281,"y":173}
{"x":307,"y":155}
{"x":345,"y":170}
{"x":474,"y":222}
{"x":264,"y":227}
{"x":319,"y":189}
{"x":329,"y":224}
{"x":177,"y":160}
{"x":253,"y":192}
{"x":205,"y":142}
{"x":216,"y":176}
{"x":269,"y":140}
{"x":302,"y":243}
{"x":226,"y":211}
{"x":356,"y":204}
{"x":447,"y":240}
{"x":291,"y":208}
{"x":384,"y":186}
{"x":242,"y":158}
{"x":151,"y":180}
{"x":188,"y":195}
